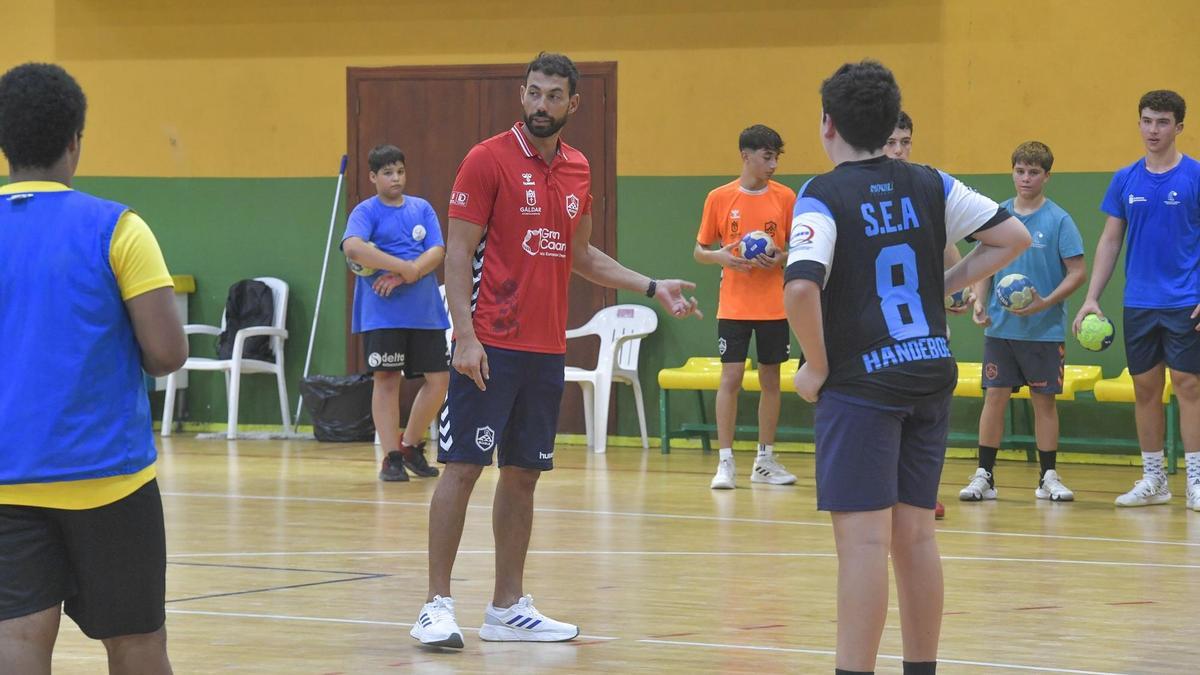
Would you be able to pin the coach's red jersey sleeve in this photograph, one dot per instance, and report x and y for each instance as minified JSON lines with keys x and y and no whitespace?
{"x":474,"y":191}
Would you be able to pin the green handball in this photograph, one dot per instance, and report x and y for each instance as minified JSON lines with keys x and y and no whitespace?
{"x":1095,"y":333}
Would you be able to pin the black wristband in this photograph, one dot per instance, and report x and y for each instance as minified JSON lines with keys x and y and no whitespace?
{"x":650,"y":290}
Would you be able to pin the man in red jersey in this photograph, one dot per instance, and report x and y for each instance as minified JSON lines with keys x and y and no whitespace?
{"x":520,"y":221}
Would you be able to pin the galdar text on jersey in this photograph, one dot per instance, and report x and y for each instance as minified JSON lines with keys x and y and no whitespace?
{"x":872,"y":234}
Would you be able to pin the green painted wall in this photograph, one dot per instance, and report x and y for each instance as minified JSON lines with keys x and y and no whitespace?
{"x":223,"y":230}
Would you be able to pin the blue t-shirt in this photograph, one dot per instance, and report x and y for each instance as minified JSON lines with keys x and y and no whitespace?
{"x":404,"y":231}
{"x":1055,"y":238}
{"x":1162,"y":210}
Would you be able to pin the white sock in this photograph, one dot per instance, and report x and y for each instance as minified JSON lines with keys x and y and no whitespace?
{"x":765,"y":450}
{"x":1153,"y":467}
{"x":1193,"y":466}
{"x":726,"y":453}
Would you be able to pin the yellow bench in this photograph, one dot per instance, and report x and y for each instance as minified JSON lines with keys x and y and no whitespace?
{"x":1120,"y":390}
{"x":698,"y":374}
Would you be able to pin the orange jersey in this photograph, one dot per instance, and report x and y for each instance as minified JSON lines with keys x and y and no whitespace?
{"x":730,"y":212}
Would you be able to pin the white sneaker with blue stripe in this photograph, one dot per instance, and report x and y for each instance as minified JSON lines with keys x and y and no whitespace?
{"x":523,"y":623}
{"x":436,"y":625}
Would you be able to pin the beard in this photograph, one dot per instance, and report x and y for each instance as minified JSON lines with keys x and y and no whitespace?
{"x":544,"y":131}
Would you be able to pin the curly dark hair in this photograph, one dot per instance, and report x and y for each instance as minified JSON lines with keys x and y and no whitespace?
{"x":905,"y":122}
{"x":863,"y":100}
{"x":41,"y":110}
{"x":1164,"y":100}
{"x":558,"y":65}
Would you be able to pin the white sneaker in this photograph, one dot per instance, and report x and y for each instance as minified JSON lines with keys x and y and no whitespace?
{"x":724,"y":478}
{"x":769,"y":470}
{"x":436,"y":626}
{"x":1193,"y":496}
{"x":1053,"y":489}
{"x":1146,"y":492}
{"x":980,"y":487}
{"x":523,"y":623}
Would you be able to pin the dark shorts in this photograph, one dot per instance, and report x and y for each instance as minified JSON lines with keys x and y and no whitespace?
{"x":516,"y":416}
{"x":773,"y":340}
{"x":1156,"y":335}
{"x":1016,"y":363}
{"x":871,"y":456}
{"x":107,"y":565}
{"x":416,"y":351}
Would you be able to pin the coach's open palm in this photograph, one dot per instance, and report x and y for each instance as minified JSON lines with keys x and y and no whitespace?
{"x":669,"y":294}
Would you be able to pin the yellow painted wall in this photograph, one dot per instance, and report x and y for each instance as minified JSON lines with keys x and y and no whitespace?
{"x":234,"y":88}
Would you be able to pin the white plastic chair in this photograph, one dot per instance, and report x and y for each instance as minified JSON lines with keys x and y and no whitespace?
{"x":433,"y":426}
{"x":237,"y":366}
{"x":621,"y":329}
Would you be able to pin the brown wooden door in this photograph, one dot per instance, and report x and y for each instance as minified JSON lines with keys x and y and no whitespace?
{"x":435,"y":115}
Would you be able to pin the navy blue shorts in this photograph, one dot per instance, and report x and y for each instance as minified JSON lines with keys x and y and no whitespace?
{"x":517,"y":416}
{"x":1156,"y":335}
{"x":871,"y":455}
{"x":1016,"y":363}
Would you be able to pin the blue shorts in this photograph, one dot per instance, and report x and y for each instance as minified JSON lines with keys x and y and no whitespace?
{"x":871,"y":455}
{"x":1156,"y":335}
{"x":517,"y":416}
{"x":1016,"y":363}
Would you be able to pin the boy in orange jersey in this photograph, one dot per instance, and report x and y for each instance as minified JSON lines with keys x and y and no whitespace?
{"x":751,"y":299}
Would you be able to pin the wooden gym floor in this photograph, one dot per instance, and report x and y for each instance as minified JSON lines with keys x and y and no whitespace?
{"x":291,"y":557}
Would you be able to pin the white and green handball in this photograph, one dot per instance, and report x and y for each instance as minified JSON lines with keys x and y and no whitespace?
{"x":1095,"y":333}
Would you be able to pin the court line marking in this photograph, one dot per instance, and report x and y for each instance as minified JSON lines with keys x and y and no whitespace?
{"x":325,"y":619}
{"x":748,"y":554}
{"x":673,"y":643}
{"x":891,"y":657}
{"x":252,"y":591}
{"x":677,"y":516}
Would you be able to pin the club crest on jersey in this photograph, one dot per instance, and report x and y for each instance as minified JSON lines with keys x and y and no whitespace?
{"x":531,"y":208}
{"x":1171,"y":199}
{"x":572,"y":205}
{"x":418,"y":233}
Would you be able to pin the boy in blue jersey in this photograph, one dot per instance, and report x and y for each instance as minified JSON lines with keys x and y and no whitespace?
{"x":1026,"y":346}
{"x":1155,"y":203}
{"x":87,"y":304}
{"x":399,"y":310}
{"x":864,"y":292}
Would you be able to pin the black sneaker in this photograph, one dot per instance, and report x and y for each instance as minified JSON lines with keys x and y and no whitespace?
{"x":415,"y":460}
{"x":393,"y":467}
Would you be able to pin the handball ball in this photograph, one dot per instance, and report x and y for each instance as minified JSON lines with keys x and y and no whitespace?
{"x":360,"y":270}
{"x":1015,"y":291}
{"x":756,"y":243}
{"x":1095,"y":333}
{"x":957,"y":299}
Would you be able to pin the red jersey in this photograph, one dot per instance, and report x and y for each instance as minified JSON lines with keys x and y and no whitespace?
{"x":528,"y":212}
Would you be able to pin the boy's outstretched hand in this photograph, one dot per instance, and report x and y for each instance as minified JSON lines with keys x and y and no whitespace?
{"x":669,"y":294}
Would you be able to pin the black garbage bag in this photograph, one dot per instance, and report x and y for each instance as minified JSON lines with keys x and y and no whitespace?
{"x":340,"y":406}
